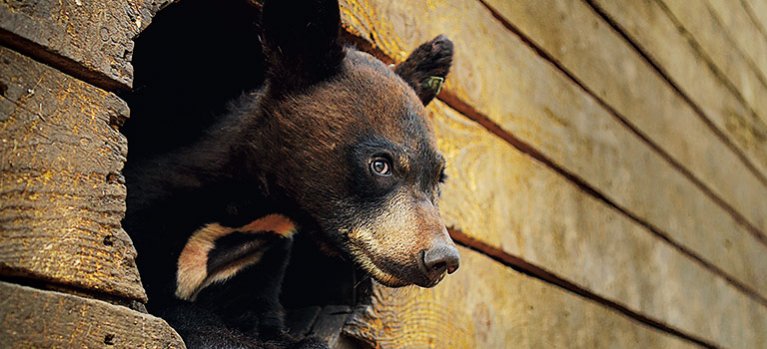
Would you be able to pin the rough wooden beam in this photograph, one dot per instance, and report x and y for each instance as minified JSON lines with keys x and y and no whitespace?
{"x":32,"y":318}
{"x":539,"y":110}
{"x":528,"y":216}
{"x":92,"y":40}
{"x":486,"y":305}
{"x":62,"y":196}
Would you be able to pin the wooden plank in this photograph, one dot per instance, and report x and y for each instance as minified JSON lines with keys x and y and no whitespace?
{"x":743,"y":31}
{"x":61,"y":193}
{"x":485,"y":305}
{"x":505,"y":199}
{"x":648,"y":25}
{"x":540,"y":106}
{"x":32,"y":318}
{"x":757,"y":10}
{"x":640,"y":95}
{"x":720,"y":42}
{"x":89,"y":39}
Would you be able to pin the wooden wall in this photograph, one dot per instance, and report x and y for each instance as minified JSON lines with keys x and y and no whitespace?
{"x":67,"y":273}
{"x":607,"y":164}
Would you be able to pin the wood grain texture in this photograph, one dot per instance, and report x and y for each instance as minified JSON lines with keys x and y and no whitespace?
{"x":89,"y":39}
{"x":714,"y":26}
{"x":528,"y":211}
{"x":542,"y":107}
{"x":32,"y":318}
{"x":649,"y":26}
{"x":742,"y":31}
{"x":609,"y":67}
{"x":757,"y":10}
{"x":61,"y":193}
{"x":486,"y":305}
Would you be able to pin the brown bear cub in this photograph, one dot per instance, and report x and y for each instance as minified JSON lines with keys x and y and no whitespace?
{"x":336,"y":144}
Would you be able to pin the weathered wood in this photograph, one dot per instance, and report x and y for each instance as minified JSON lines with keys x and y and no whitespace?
{"x":715,"y":40}
{"x":757,"y":10}
{"x":486,"y":305}
{"x":540,"y":106}
{"x":526,"y":210}
{"x":89,"y":39}
{"x":650,"y":27}
{"x":32,"y":318}
{"x":742,"y":31}
{"x":639,"y":94}
{"x":61,"y":193}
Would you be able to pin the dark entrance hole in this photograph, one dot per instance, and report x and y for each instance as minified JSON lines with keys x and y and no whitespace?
{"x":195,"y":57}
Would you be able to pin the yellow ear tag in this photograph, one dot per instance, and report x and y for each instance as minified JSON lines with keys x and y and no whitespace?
{"x":434,"y":83}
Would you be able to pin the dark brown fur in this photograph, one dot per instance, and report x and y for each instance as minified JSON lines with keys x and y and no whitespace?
{"x":302,"y":147}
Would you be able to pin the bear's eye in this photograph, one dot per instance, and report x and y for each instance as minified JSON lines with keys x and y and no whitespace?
{"x":380,"y":166}
{"x":442,"y":176}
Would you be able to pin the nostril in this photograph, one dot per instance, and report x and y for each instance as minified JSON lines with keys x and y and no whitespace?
{"x":441,"y":258}
{"x":441,"y":266}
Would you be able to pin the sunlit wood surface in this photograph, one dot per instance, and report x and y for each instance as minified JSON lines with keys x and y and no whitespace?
{"x":607,"y":166}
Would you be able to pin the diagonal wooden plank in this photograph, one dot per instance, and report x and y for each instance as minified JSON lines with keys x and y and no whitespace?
{"x":610,"y":69}
{"x":486,"y":305}
{"x":719,"y":40}
{"x":502,"y":198}
{"x":541,"y":111}
{"x":757,"y":11}
{"x":742,"y":31}
{"x":648,"y":27}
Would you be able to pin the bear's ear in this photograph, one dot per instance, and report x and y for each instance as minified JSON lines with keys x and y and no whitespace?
{"x":426,"y":68}
{"x":300,"y":39}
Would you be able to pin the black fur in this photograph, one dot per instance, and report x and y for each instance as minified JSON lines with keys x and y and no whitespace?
{"x":236,"y":246}
{"x":173,"y":196}
{"x":246,"y":306}
{"x":428,"y":61}
{"x":216,"y":180}
{"x":263,"y":157}
{"x":301,"y":42}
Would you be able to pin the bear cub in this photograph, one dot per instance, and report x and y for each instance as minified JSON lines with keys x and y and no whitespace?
{"x":335,"y":145}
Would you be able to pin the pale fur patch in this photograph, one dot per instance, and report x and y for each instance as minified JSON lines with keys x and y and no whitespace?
{"x":397,"y":234}
{"x":192,"y":274}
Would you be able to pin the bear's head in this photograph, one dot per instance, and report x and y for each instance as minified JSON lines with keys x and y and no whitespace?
{"x":348,"y":139}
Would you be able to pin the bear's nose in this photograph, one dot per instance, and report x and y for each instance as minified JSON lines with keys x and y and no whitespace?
{"x":440,"y":258}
